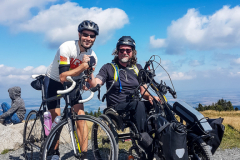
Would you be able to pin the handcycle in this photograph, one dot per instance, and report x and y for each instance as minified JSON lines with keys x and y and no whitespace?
{"x":63,"y":136}
{"x":194,"y":125}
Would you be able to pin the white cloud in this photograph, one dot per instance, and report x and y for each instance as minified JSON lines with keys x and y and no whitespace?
{"x":59,"y":23}
{"x":176,"y":76}
{"x":39,"y":70}
{"x":237,"y":61}
{"x":181,"y":76}
{"x":195,"y":63}
{"x":12,"y":11}
{"x":235,"y":74}
{"x":18,"y":77}
{"x":11,"y":75}
{"x":28,"y":68}
{"x":200,"y":32}
{"x":157,"y":43}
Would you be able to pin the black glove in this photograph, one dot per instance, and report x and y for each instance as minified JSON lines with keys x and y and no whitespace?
{"x":91,"y":63}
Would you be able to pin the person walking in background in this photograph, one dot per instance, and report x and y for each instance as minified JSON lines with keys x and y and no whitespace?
{"x":16,"y":112}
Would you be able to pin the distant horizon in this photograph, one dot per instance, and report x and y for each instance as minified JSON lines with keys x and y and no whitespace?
{"x":193,"y":98}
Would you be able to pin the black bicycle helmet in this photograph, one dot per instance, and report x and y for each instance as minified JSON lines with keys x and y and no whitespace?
{"x":88,"y":25}
{"x":126,"y":40}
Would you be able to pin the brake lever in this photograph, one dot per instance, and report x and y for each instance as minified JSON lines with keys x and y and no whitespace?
{"x":173,"y":93}
{"x":147,"y":65}
{"x":96,"y":88}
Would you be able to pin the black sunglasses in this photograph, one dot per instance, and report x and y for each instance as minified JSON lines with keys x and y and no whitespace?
{"x":86,"y":35}
{"x":123,"y":50}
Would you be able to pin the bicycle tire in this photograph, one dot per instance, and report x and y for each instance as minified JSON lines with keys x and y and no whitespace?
{"x":199,"y":149}
{"x":33,"y":136}
{"x":122,"y":146}
{"x":65,"y":145}
{"x":95,"y":143}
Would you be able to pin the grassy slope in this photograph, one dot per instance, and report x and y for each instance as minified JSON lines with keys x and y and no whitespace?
{"x":231,"y":121}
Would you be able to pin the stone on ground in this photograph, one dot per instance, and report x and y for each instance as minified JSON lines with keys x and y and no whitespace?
{"x":11,"y":136}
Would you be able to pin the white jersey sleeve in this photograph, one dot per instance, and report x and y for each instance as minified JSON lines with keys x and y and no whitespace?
{"x":64,"y":53}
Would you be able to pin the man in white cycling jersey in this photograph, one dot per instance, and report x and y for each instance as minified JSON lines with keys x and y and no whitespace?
{"x":71,"y":59}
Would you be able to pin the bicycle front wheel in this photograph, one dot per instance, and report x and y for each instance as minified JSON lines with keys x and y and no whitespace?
{"x":199,"y":149}
{"x":33,"y":135}
{"x":80,"y":145}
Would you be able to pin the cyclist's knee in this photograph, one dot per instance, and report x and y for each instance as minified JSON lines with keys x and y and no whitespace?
{"x":81,"y":112}
{"x":79,"y":109}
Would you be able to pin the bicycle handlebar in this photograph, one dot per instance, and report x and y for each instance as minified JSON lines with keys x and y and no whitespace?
{"x":70,"y":88}
{"x":147,"y":77}
{"x":87,"y":99}
{"x":92,"y":90}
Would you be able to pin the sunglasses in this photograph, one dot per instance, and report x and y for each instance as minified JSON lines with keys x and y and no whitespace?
{"x":123,"y":50}
{"x":86,"y":35}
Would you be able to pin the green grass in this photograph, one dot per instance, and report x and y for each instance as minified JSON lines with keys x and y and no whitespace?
{"x":5,"y":151}
{"x":231,"y":138}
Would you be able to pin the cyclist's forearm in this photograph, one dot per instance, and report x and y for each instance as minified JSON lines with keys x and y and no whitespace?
{"x":94,"y":81}
{"x":74,"y":72}
{"x":91,"y":81}
{"x":146,"y":94}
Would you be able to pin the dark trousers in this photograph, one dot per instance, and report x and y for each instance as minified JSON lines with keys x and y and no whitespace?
{"x":137,"y":112}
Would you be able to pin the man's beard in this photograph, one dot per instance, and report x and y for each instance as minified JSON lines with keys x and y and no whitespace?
{"x":125,"y":59}
{"x":85,"y":46}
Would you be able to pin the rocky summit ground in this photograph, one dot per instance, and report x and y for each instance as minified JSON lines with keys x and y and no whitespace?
{"x":227,"y":154}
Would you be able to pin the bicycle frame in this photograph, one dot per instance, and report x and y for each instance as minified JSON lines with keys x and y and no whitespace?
{"x":67,"y":114}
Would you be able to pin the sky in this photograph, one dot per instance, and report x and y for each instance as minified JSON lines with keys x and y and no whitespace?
{"x":198,"y":41}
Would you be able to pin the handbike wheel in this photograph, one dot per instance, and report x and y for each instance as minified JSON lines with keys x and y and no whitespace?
{"x":33,"y":136}
{"x":66,"y":147}
{"x":198,"y":150}
{"x":100,"y":140}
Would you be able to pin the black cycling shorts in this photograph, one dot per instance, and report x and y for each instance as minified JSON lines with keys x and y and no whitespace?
{"x":51,"y":87}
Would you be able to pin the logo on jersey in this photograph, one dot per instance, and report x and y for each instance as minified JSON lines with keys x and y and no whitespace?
{"x":74,"y":63}
{"x":63,"y":60}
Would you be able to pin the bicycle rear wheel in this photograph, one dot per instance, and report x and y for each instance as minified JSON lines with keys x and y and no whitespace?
{"x":33,"y":136}
{"x":66,"y":149}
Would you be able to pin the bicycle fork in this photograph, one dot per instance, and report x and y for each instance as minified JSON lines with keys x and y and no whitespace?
{"x":73,"y":134}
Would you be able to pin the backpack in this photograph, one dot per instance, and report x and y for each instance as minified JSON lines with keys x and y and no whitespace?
{"x":172,"y":137}
{"x":217,"y":133}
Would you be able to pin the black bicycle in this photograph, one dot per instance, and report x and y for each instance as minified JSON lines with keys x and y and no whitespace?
{"x":190,"y":123}
{"x":64,"y":136}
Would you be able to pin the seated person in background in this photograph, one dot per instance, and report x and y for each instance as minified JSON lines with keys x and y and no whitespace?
{"x":16,"y":112}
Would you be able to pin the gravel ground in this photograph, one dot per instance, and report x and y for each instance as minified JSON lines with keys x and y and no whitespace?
{"x":227,"y":154}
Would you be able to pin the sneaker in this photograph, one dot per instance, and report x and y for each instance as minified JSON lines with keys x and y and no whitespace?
{"x":84,"y":156}
{"x":55,"y":157}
